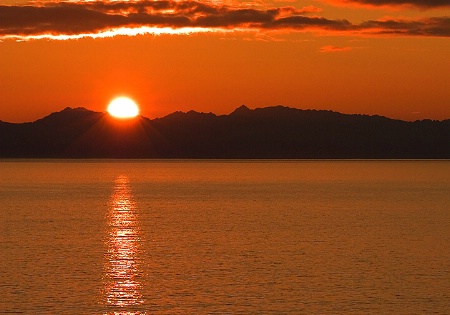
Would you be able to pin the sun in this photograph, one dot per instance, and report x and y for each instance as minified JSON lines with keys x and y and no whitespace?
{"x":123,"y":107}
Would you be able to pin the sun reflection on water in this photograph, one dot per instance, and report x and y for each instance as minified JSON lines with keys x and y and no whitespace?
{"x":123,"y":285}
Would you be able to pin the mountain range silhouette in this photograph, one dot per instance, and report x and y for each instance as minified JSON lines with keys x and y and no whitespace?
{"x":276,"y":132}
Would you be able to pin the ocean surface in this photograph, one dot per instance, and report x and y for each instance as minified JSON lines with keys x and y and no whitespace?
{"x":224,"y":237}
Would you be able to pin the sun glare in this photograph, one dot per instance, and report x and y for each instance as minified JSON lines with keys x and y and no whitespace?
{"x":123,"y":107}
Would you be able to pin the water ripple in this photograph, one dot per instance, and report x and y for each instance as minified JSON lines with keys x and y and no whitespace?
{"x":122,"y":283}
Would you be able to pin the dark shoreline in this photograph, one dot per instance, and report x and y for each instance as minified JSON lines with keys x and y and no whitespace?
{"x":274,"y":133}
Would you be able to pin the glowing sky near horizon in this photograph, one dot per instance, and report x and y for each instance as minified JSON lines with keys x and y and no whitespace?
{"x":386,"y":57}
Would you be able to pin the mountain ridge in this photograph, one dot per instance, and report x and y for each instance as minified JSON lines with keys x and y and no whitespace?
{"x":269,"y":132}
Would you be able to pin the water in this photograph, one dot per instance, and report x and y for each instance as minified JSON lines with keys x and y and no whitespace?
{"x":225,"y":237}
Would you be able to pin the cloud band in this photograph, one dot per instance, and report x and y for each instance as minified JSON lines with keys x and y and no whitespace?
{"x":73,"y":19}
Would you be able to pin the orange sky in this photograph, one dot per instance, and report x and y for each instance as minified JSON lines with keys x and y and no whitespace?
{"x":386,"y":57}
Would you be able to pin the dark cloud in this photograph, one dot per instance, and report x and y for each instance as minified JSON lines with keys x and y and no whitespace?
{"x":61,"y":19}
{"x":303,"y":22}
{"x":439,"y":26}
{"x":235,"y":18}
{"x":90,"y":18}
{"x":416,"y":3}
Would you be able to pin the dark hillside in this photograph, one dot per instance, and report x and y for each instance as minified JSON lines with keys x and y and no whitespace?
{"x":272,"y":132}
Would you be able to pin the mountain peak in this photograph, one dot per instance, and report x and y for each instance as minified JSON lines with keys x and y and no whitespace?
{"x":241,"y":110}
{"x":68,"y":114}
{"x":76,"y":109}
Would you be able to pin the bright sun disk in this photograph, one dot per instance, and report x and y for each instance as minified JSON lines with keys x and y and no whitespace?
{"x":123,"y":107}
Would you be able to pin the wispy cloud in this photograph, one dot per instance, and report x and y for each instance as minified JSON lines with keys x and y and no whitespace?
{"x":63,"y":20}
{"x":330,"y":48}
